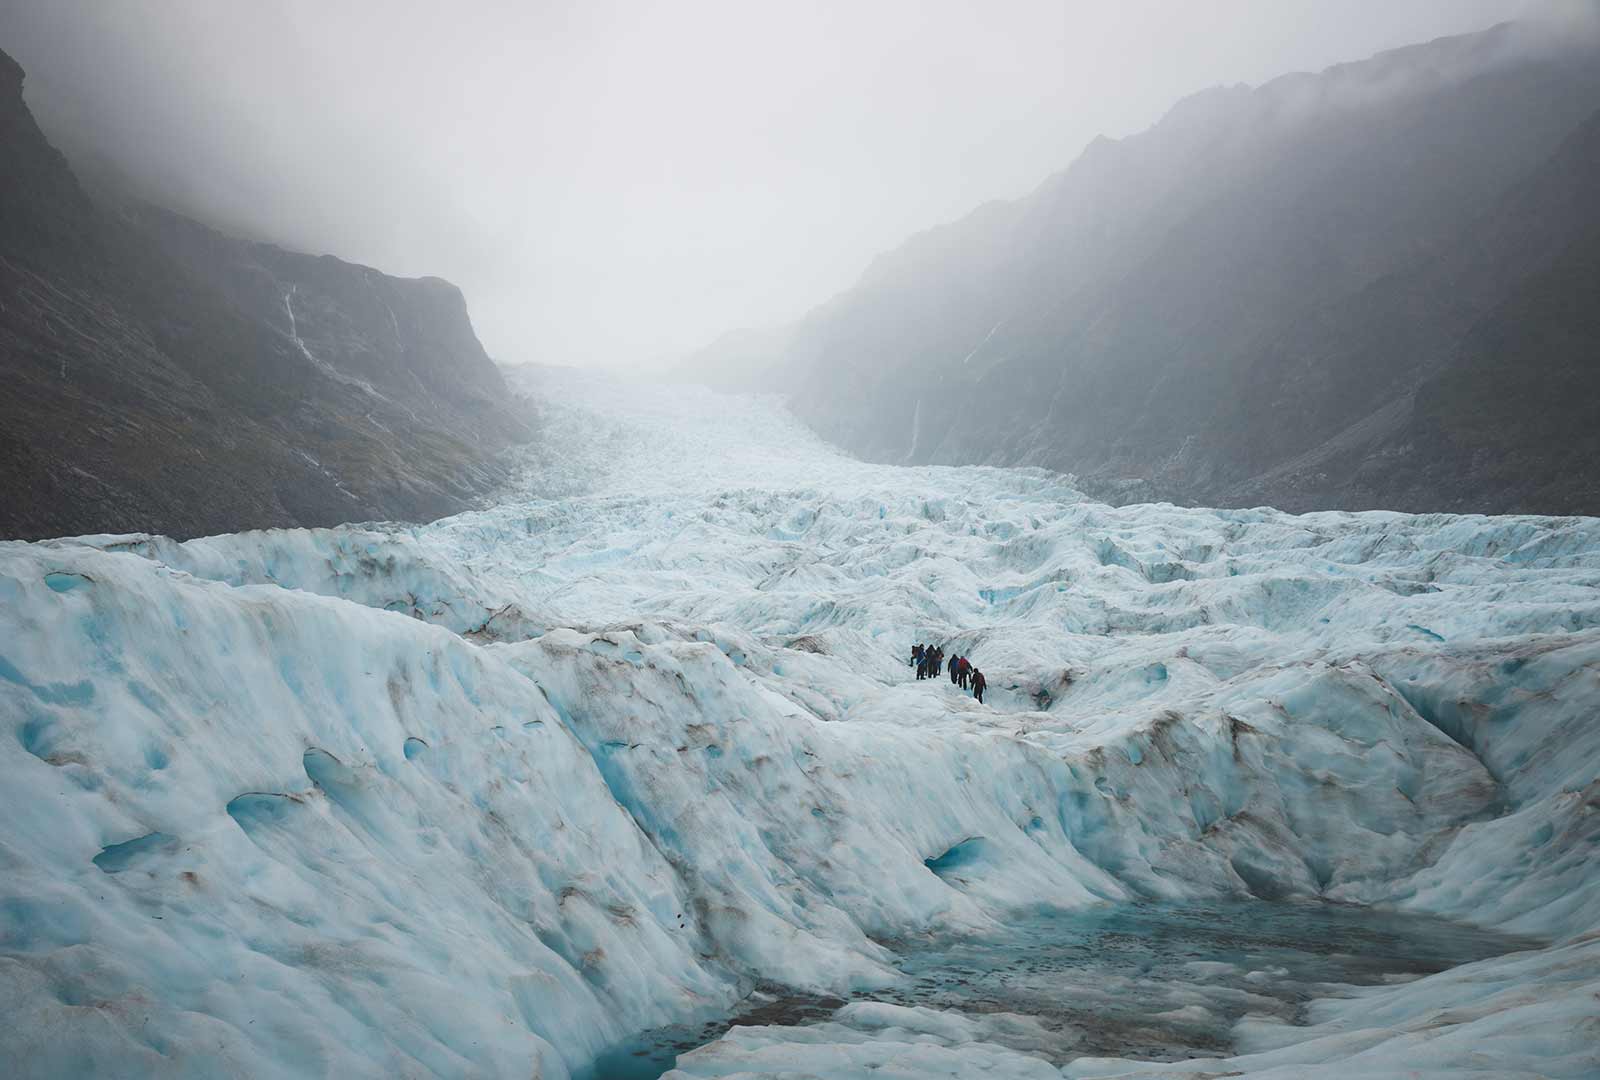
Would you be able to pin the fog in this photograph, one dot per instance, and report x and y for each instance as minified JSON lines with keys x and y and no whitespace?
{"x":619,"y":183}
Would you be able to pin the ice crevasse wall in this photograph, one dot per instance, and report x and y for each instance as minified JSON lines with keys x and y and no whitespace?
{"x":486,"y":796}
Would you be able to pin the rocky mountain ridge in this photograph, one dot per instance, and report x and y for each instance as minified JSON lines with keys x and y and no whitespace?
{"x":1242,"y":304}
{"x":161,"y":376}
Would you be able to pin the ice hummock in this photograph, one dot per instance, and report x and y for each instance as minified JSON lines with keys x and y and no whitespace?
{"x":495,"y":794}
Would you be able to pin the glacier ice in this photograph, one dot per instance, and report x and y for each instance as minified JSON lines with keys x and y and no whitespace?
{"x":491,"y":795}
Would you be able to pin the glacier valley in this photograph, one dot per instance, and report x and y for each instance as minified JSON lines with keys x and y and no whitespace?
{"x":639,"y":750}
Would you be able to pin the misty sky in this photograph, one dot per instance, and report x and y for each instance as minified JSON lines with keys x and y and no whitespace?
{"x":622,"y":182}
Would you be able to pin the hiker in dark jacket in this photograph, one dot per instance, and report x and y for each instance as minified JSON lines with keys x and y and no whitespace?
{"x":916,"y":659}
{"x":955,"y":662}
{"x":978,"y":683}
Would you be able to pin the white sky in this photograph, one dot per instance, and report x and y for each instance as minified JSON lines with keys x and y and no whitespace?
{"x":617,"y":183}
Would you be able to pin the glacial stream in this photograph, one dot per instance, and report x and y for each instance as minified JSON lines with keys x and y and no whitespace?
{"x":1151,"y":981}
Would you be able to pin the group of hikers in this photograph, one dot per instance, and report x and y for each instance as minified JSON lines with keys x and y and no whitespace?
{"x":930,"y":662}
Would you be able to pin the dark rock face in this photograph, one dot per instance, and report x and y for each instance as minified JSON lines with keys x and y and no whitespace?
{"x":1504,"y":416}
{"x":1252,"y":302}
{"x":160,"y":376}
{"x":1518,"y":410}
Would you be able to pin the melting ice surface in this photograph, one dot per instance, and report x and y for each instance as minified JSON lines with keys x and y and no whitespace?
{"x":639,"y":750}
{"x":1159,"y":982}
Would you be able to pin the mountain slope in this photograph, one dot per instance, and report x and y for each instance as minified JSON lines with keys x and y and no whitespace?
{"x":1518,"y":408}
{"x":1185,"y":311}
{"x":161,"y":376}
{"x":1502,"y":417}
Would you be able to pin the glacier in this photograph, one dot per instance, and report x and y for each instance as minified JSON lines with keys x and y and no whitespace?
{"x":640,"y":745}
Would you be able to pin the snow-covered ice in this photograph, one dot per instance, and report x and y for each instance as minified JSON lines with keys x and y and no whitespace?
{"x":488,"y":796}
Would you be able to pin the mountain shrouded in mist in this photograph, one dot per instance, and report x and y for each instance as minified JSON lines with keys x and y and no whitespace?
{"x":1276,"y":295}
{"x":164,"y":377}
